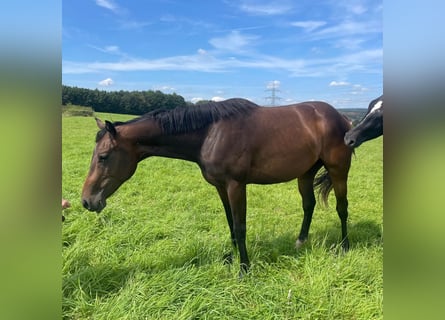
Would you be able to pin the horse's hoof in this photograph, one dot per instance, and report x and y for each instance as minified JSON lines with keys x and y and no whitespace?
{"x":228,"y":258}
{"x":345,"y":246}
{"x":299,"y":243}
{"x":244,"y":270}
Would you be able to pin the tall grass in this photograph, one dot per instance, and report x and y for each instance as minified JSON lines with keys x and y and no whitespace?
{"x":156,"y":251}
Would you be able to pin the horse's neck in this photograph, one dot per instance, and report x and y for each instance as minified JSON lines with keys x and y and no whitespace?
{"x":178,"y":146}
{"x":151,"y":141}
{"x":181,"y":146}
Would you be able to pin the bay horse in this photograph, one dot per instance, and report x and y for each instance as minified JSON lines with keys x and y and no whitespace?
{"x":234,"y":142}
{"x":370,"y":127}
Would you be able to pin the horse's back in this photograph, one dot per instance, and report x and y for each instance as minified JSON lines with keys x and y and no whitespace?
{"x":316,"y":117}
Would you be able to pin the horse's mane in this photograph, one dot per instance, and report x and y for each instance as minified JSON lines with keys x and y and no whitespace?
{"x":187,"y":119}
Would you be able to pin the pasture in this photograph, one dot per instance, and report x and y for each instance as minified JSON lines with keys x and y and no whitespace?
{"x":156,"y":251}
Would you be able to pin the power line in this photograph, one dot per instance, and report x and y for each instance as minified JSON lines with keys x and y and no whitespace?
{"x":273,"y":86}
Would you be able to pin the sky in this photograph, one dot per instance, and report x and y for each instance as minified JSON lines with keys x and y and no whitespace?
{"x":329,"y":50}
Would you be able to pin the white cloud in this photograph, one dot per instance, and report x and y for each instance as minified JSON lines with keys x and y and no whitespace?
{"x":354,"y":7}
{"x":256,"y":7}
{"x":129,"y":24}
{"x":165,"y":88}
{"x":308,"y":25}
{"x":194,"y":100}
{"x":111,"y":49}
{"x":349,"y":43}
{"x":348,"y":28}
{"x":358,"y":89}
{"x":273,"y":84}
{"x":233,"y":42}
{"x":363,"y":61}
{"x":316,"y":50}
{"x":358,"y":9}
{"x":108,"y":49}
{"x":339,"y":84}
{"x":107,"y":4}
{"x":106,"y":82}
{"x":216,"y":99}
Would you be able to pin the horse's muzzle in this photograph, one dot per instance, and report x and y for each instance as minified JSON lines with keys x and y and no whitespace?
{"x":94,"y":206}
{"x":351,"y":141}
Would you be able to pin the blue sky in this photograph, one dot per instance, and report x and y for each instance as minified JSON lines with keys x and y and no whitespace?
{"x":308,"y":50}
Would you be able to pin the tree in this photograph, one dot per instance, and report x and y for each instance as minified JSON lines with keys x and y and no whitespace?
{"x":130,"y":102}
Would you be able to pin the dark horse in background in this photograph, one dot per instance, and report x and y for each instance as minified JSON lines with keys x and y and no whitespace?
{"x":370,"y":127}
{"x":234,"y":142}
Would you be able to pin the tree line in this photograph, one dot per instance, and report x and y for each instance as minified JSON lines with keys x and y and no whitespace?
{"x":126,"y":102}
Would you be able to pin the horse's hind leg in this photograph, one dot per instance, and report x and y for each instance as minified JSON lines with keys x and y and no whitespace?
{"x":306,"y":189}
{"x":339,"y":178}
{"x":340,"y":189}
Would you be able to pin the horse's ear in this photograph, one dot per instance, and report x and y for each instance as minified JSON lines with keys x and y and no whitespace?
{"x":110,"y":128}
{"x":99,"y":123}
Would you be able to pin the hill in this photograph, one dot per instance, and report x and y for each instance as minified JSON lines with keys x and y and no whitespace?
{"x":355,"y":114}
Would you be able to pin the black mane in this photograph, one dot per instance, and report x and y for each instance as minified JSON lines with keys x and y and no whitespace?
{"x":187,"y":119}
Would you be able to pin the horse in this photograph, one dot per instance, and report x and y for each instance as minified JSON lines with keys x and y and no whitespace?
{"x":234,"y":142}
{"x":370,"y":127}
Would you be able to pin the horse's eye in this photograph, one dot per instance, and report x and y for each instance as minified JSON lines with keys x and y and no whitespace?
{"x":103,"y":157}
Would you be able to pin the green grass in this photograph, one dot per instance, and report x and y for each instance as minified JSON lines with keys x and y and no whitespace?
{"x":156,"y":251}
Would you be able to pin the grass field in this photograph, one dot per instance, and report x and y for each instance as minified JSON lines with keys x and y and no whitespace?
{"x":156,"y":251}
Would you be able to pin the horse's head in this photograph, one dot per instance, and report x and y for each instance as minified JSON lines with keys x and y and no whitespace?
{"x":114,"y":161}
{"x":370,"y":127}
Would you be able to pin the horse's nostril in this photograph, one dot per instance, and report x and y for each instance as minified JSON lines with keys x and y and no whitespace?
{"x":85,"y":204}
{"x":349,"y":141}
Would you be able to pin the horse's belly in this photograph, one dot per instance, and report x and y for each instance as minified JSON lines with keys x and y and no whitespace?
{"x":278,"y":170}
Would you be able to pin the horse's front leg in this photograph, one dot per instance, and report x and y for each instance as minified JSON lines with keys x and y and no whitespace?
{"x":237,"y":198}
{"x":228,"y":257}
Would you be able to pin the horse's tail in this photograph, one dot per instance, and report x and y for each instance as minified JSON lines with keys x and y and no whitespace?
{"x":323,"y":184}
